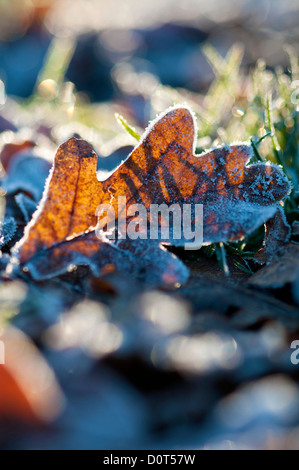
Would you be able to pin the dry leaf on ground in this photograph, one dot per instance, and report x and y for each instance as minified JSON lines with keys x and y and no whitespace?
{"x":162,"y":169}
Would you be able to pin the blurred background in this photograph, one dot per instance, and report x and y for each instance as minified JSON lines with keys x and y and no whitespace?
{"x":161,"y":39}
{"x":136,"y":58}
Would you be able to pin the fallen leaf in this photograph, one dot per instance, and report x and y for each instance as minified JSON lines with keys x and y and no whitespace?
{"x":144,"y":260}
{"x":243,"y":307}
{"x":8,"y":228}
{"x":295,"y":228}
{"x":69,"y":201}
{"x":9,"y":151}
{"x":277,"y":234}
{"x":162,"y":169}
{"x":26,"y":173}
{"x":283,"y":270}
{"x":65,"y":229}
{"x":29,"y":391}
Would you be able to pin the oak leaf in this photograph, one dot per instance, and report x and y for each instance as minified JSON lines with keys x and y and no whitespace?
{"x":237,"y":198}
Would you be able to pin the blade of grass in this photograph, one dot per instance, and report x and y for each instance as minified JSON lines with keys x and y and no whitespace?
{"x":269,"y":122}
{"x":255,"y":151}
{"x":243,"y":254}
{"x":56,"y":63}
{"x":127,"y":127}
{"x":245,"y":269}
{"x":294,"y":63}
{"x":262,"y":138}
{"x":221,"y":257}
